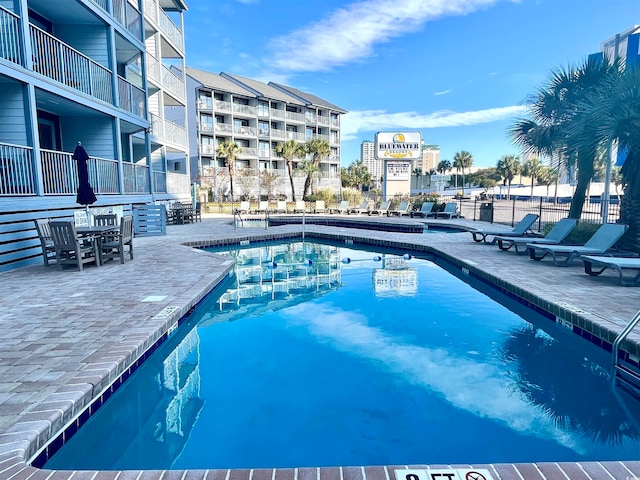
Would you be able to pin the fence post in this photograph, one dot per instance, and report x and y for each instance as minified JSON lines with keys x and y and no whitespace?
{"x":540,"y":215}
{"x":513,"y":212}
{"x":475,"y":203}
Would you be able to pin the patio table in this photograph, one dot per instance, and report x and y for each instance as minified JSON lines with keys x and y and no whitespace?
{"x":96,"y":233}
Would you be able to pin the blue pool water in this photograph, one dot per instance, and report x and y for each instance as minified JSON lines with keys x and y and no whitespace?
{"x":372,"y":361}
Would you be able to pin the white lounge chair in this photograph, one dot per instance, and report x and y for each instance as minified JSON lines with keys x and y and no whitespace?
{"x":425,"y":210}
{"x":319,"y":208}
{"x":450,"y":210}
{"x":342,"y":208}
{"x":520,"y":230}
{"x":602,"y":240}
{"x":245,"y":207}
{"x":281,"y":206}
{"x":556,"y":235}
{"x":383,"y":209}
{"x":619,"y":264}
{"x":263,"y":206}
{"x":300,"y":207}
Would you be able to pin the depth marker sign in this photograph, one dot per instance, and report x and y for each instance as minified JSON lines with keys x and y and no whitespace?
{"x":444,"y":474}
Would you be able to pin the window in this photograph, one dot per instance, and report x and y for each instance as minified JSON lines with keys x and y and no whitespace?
{"x":263,"y":128}
{"x":263,"y":108}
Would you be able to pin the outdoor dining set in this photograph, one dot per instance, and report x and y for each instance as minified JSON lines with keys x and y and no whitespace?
{"x":64,"y":243}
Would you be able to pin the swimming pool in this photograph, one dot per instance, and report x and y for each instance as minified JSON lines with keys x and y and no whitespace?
{"x":378,"y":360}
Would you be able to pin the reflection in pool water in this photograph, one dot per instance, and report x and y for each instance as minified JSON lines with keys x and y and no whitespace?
{"x":309,"y":360}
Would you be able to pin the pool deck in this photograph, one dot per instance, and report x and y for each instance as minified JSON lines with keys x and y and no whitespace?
{"x":66,"y":336}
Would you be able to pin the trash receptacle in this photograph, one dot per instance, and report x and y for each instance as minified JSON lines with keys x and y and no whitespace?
{"x":486,"y":212}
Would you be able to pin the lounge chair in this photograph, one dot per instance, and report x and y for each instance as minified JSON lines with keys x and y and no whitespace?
{"x":403,"y":209}
{"x":555,"y":236}
{"x":319,"y":208}
{"x":342,"y":208}
{"x":520,"y":230}
{"x":263,"y":206}
{"x":365,"y":206}
{"x":425,"y":210}
{"x":619,"y":264}
{"x":46,"y":242}
{"x":300,"y":207}
{"x":450,"y":210}
{"x":383,"y":209}
{"x":281,"y":206}
{"x":602,"y":240}
{"x":70,"y":250}
{"x":245,"y":207}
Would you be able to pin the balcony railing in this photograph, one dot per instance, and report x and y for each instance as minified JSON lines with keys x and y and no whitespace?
{"x":275,"y":133}
{"x":162,"y":75}
{"x":160,"y":182}
{"x":131,"y":97}
{"x":323,"y":120}
{"x":241,"y":108}
{"x":223,"y":128}
{"x":309,"y":117}
{"x":60,"y":175}
{"x":222,"y":105}
{"x":205,"y":104}
{"x":156,"y":127}
{"x":248,"y":153}
{"x":175,"y":133}
{"x":295,"y":136}
{"x":207,"y":149}
{"x":248,"y":131}
{"x":60,"y":62}
{"x":101,"y":3}
{"x":136,"y":178}
{"x":128,"y":16}
{"x":10,"y":36}
{"x":335,"y":121}
{"x":171,"y":30}
{"x":296,"y":117}
{"x":277,"y":113}
{"x":151,"y":9}
{"x":263,"y":132}
{"x":16,"y":170}
{"x":205,"y":127}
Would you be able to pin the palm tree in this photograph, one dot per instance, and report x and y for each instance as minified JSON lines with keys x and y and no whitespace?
{"x":462,"y":160}
{"x":555,"y":114}
{"x":229,"y":151}
{"x":508,"y":167}
{"x":532,"y":168}
{"x":614,"y":109}
{"x":290,"y":150}
{"x":319,"y":150}
{"x":443,"y":166}
{"x":311,"y":171}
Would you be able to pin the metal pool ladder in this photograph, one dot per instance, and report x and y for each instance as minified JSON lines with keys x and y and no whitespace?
{"x":621,"y":372}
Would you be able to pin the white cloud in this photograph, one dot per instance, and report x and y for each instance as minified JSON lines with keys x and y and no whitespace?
{"x":374,"y":120}
{"x":350,"y":33}
{"x":443,"y":92}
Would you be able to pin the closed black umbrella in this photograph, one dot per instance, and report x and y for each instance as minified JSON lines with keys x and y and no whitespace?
{"x":85,"y":192}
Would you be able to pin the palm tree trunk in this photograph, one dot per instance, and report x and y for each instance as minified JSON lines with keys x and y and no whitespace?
{"x":532,"y":188}
{"x":585,"y":173}
{"x":307,"y":185}
{"x":290,"y":170}
{"x":630,"y":203}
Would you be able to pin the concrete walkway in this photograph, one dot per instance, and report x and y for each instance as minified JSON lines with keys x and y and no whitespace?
{"x":65,"y":336}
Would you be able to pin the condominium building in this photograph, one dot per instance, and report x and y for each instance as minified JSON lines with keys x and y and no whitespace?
{"x":430,"y":159}
{"x":256,"y":116}
{"x":369,"y":160}
{"x":99,"y":72}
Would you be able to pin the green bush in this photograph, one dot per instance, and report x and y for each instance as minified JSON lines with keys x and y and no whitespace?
{"x":327,"y":194}
{"x":578,"y":235}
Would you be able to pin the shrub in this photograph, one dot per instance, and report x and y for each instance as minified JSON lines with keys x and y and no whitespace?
{"x":327,"y":194}
{"x":579,"y":235}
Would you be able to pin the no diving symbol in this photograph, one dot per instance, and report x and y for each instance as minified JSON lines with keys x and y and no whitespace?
{"x":475,"y":476}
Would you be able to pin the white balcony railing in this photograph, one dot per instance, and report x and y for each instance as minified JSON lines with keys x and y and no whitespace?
{"x":131,"y":97}
{"x":173,"y":83}
{"x":222,"y":105}
{"x":295,"y":136}
{"x":248,"y":131}
{"x":170,"y":29}
{"x":223,"y":128}
{"x":205,"y":127}
{"x":16,"y":170}
{"x":241,"y":108}
{"x":160,"y":182}
{"x":10,"y":36}
{"x":153,"y":69}
{"x":335,"y":121}
{"x":263,"y":132}
{"x":175,"y":133}
{"x":248,"y":152}
{"x":296,"y":117}
{"x":136,"y":178}
{"x":101,"y":3}
{"x":151,"y":10}
{"x":205,"y":104}
{"x":128,"y":16}
{"x":207,"y":149}
{"x":276,"y":133}
{"x":60,"y":62}
{"x":156,"y":127}
{"x":323,"y":120}
{"x":309,"y":117}
{"x":277,"y":113}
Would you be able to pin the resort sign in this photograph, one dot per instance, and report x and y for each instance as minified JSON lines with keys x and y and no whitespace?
{"x":398,"y":145}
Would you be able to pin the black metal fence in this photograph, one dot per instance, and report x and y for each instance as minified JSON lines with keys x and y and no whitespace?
{"x":511,"y":211}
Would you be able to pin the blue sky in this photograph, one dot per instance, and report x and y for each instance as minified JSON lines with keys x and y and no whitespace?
{"x":457,"y":70}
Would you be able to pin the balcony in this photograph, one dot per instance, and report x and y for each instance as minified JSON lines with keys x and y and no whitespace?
{"x":335,"y":121}
{"x":167,"y":130}
{"x":16,"y":170}
{"x":160,"y":182}
{"x":205,"y":127}
{"x":276,"y":113}
{"x":128,"y":16}
{"x":223,"y":106}
{"x":223,"y":128}
{"x":248,"y":152}
{"x":322,"y":120}
{"x":150,"y":10}
{"x":60,"y":175}
{"x":309,"y":117}
{"x":263,"y":132}
{"x":163,"y":76}
{"x":10,"y":36}
{"x":299,"y":136}
{"x":246,"y":109}
{"x":58,"y":61}
{"x":131,"y":97}
{"x":207,"y":149}
{"x":296,"y":117}
{"x":170,"y":29}
{"x":205,"y":104}
{"x":246,"y":131}
{"x":275,"y":133}
{"x":136,"y":178}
